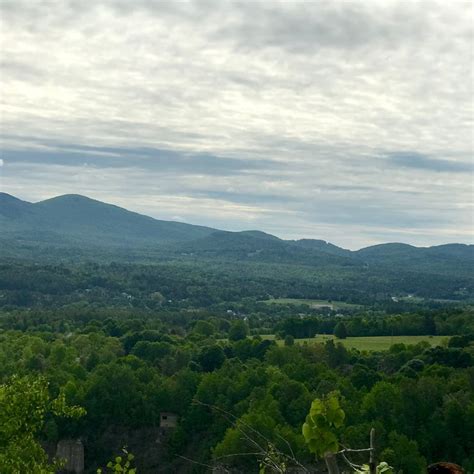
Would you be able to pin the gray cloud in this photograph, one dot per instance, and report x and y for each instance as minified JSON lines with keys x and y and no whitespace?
{"x":428,"y":163}
{"x":303,"y":28}
{"x":147,"y":159}
{"x":348,"y":121}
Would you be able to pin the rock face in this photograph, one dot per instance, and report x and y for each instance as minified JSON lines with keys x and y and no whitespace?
{"x":72,"y":451}
{"x":445,"y":468}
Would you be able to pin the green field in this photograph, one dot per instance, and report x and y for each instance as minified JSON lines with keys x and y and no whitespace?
{"x":312,"y":303}
{"x":374,"y":343}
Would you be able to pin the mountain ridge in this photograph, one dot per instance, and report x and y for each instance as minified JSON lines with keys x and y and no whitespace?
{"x":81,"y":217}
{"x":74,"y":218}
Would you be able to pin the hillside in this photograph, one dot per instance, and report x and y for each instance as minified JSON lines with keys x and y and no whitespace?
{"x":76,"y":228}
{"x":260,"y":247}
{"x":12,"y":207}
{"x":79,"y":220}
{"x":435,"y":259}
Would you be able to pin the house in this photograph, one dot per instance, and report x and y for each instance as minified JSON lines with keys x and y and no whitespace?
{"x":168,"y":420}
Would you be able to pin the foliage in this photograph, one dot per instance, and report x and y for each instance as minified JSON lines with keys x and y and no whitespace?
{"x":340,"y":330}
{"x":25,"y":404}
{"x":382,"y":468}
{"x":408,"y":459}
{"x":120,"y":464}
{"x":272,"y":458}
{"x":238,"y":331}
{"x":324,"y":418}
{"x":99,"y":335}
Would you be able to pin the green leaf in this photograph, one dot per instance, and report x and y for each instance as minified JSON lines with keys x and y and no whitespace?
{"x":306,"y":431}
{"x":324,"y":416}
{"x":384,"y":467}
{"x":317,"y":407}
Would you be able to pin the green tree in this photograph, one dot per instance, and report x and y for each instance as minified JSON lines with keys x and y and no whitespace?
{"x":340,"y":330}
{"x":403,"y":454}
{"x":24,"y":405}
{"x":384,"y":402}
{"x":239,"y":330}
{"x":211,"y":358}
{"x":204,"y":328}
{"x":429,"y":325}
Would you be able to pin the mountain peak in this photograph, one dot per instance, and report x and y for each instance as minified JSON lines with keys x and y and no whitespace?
{"x":5,"y":197}
{"x":258,"y":234}
{"x":70,"y":198}
{"x":83,"y":220}
{"x":12,"y":207}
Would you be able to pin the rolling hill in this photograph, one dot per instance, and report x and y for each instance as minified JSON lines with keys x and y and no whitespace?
{"x":253,"y":246}
{"x":75,"y":226}
{"x":79,"y":220}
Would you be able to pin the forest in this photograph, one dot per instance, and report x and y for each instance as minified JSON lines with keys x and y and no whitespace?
{"x":117,"y":346}
{"x":236,"y":237}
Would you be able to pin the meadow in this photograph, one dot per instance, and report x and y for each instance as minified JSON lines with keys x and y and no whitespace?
{"x":372,"y":343}
{"x":312,"y":303}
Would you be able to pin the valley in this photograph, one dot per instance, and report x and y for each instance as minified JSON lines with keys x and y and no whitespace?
{"x":185,"y":345}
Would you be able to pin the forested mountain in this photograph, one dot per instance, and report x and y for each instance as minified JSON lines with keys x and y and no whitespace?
{"x":71,"y":228}
{"x":12,"y":207}
{"x":260,"y":247}
{"x":322,"y":246}
{"x":79,"y":219}
{"x":404,"y":252}
{"x":436,"y":259}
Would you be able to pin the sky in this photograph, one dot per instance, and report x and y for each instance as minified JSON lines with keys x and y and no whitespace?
{"x":347,"y":121}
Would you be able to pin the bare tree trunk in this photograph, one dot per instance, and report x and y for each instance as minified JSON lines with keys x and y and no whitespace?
{"x":331,"y":463}
{"x":372,"y":463}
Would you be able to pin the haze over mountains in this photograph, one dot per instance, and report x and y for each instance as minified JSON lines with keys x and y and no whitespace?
{"x":75,"y":221}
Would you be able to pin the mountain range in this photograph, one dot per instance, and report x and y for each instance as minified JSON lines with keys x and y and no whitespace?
{"x":76,"y":223}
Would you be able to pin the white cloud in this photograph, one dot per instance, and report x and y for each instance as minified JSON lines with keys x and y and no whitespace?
{"x":368,"y":103}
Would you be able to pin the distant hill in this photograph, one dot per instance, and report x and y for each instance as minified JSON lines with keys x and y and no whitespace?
{"x":12,"y":207}
{"x":255,"y":246}
{"x":435,"y":259}
{"x":322,"y":246}
{"x":78,"y":219}
{"x":384,"y":251}
{"x":78,"y":226}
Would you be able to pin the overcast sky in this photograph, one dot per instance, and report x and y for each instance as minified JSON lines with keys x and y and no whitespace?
{"x":344,"y":121}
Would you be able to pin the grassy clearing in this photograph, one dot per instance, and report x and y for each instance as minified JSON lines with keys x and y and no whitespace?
{"x":373,"y":343}
{"x":312,"y":303}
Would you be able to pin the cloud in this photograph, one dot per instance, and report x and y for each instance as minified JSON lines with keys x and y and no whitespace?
{"x":333,"y":25}
{"x":428,"y":163}
{"x":150,"y":159}
{"x":339,"y":120}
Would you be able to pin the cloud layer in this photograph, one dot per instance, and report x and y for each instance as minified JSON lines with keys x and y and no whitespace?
{"x":347,"y":121}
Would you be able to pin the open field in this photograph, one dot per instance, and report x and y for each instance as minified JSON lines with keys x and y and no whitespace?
{"x":374,"y":343}
{"x":313,"y":303}
{"x":420,"y":300}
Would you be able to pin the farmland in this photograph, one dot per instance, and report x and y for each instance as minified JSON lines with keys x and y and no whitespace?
{"x":373,"y":343}
{"x":315,"y":304}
